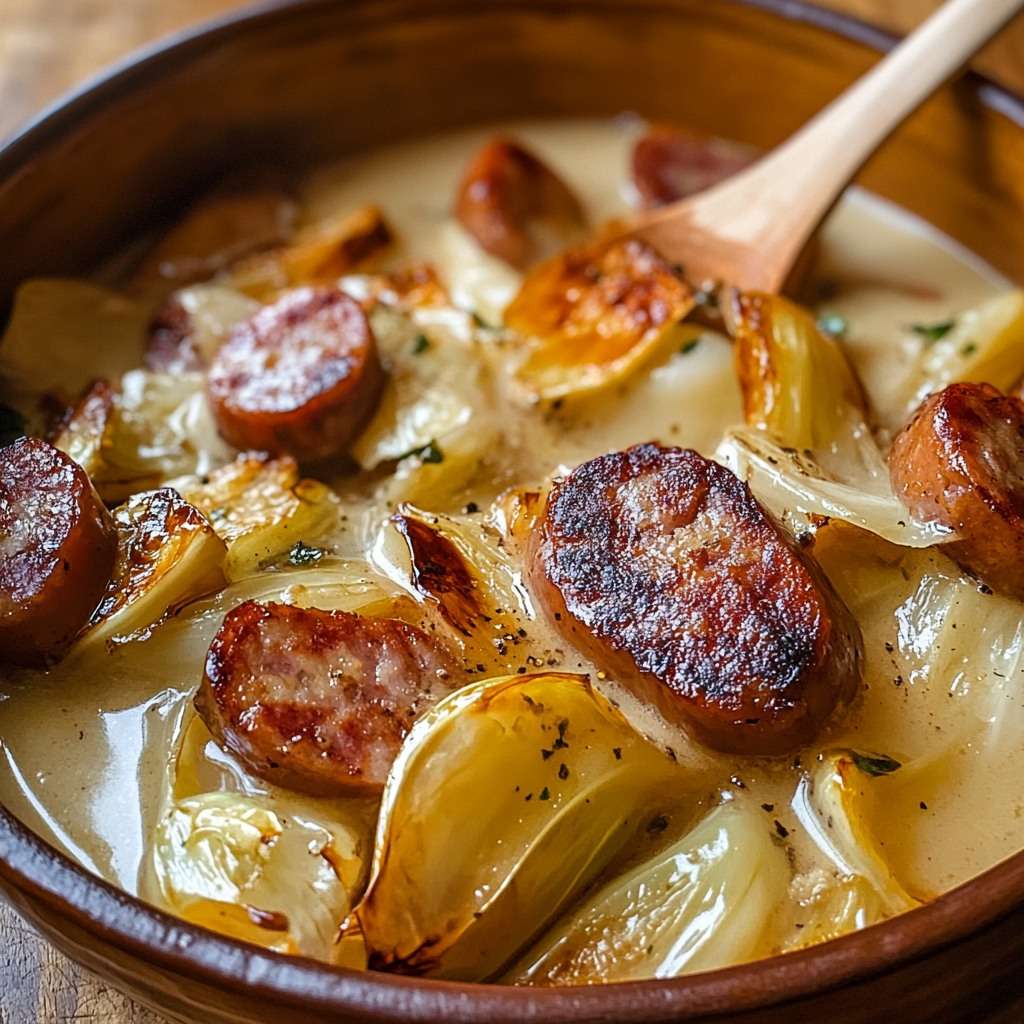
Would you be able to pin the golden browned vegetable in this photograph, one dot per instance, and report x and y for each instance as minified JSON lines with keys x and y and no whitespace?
{"x":439,"y":416}
{"x":834,"y":804}
{"x":984,"y":344}
{"x":507,"y":798}
{"x":272,"y":871}
{"x":319,"y":254}
{"x":167,"y":554}
{"x":704,"y":902}
{"x":260,"y":508}
{"x":216,"y":231}
{"x":796,"y":382}
{"x":592,"y":315}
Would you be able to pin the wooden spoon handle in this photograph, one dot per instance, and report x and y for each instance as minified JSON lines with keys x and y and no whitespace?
{"x":772,"y":209}
{"x":833,"y":145}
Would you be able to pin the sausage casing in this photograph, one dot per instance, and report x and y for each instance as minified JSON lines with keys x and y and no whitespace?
{"x":662,"y":566}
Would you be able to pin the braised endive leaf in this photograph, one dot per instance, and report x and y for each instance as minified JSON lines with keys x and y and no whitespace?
{"x":506,"y":800}
{"x":834,"y":803}
{"x":704,"y":902}
{"x":592,"y":315}
{"x":270,"y":870}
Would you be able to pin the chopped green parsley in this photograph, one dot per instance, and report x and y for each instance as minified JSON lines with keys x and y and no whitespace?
{"x":428,"y":453}
{"x":875,"y":764}
{"x":933,"y":332}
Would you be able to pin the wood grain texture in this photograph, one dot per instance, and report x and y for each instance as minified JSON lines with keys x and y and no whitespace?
{"x":46,"y":47}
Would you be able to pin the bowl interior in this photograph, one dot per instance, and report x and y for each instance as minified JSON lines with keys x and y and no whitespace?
{"x":292,"y":88}
{"x":317,"y":78}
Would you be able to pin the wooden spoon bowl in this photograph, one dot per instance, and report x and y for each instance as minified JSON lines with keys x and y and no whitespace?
{"x":315,"y":78}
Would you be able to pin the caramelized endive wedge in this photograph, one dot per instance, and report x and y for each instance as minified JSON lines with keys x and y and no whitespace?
{"x":140,"y":432}
{"x":167,"y":554}
{"x":704,"y":902}
{"x":215,"y":232}
{"x":279,"y":872}
{"x":539,"y":771}
{"x":260,"y":507}
{"x":665,"y":570}
{"x":413,"y":286}
{"x":808,"y":452}
{"x":796,"y":381}
{"x":984,"y":344}
{"x":592,"y":315}
{"x":61,"y":336}
{"x":457,"y":567}
{"x":83,"y":427}
{"x":319,"y":254}
{"x":456,"y":564}
{"x":834,"y":802}
{"x":439,"y":416}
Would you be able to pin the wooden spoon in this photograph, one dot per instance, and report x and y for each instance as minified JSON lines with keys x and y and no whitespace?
{"x":750,"y":230}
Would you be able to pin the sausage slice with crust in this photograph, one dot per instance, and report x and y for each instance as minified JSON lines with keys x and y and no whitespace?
{"x":57,"y":549}
{"x":301,"y":377}
{"x":670,"y":164}
{"x":662,"y":566}
{"x":318,"y":701}
{"x":515,"y":206}
{"x":960,"y":462}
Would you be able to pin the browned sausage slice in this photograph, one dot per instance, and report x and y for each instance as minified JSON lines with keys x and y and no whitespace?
{"x":318,"y":701}
{"x":667,"y":572}
{"x":669,"y":164}
{"x":960,"y":462}
{"x":301,"y":377}
{"x":515,"y":206}
{"x":57,"y":548}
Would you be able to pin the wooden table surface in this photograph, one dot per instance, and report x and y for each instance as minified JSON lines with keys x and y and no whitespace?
{"x":46,"y":47}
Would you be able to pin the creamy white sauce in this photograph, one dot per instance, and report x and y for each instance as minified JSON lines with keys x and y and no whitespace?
{"x":89,"y":747}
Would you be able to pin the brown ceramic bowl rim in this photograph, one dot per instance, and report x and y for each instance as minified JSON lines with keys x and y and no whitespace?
{"x":31,"y":866}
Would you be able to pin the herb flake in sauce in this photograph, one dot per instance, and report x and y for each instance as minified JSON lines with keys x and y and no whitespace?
{"x":933,"y":332}
{"x":875,"y":764}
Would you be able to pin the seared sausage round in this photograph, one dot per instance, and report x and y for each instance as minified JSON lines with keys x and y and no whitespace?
{"x":960,"y":462}
{"x":515,"y":206}
{"x":318,"y":701}
{"x":300,"y":377}
{"x":669,"y":164}
{"x":57,"y":548}
{"x":662,"y":566}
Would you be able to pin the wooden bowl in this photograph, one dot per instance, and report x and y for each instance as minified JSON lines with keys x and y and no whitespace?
{"x":314,"y":78}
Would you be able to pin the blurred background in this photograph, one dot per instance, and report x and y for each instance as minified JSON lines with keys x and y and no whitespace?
{"x":50,"y":46}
